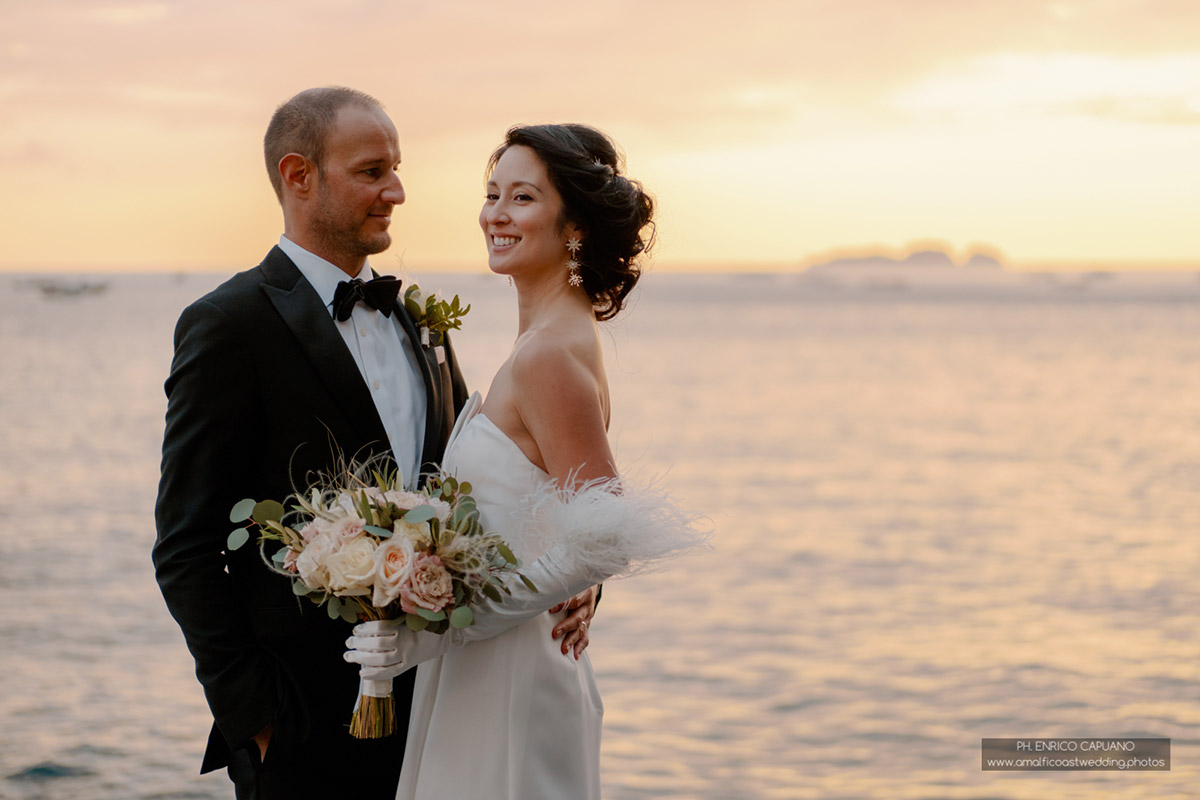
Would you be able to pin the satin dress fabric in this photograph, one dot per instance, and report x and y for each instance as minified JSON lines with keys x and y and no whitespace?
{"x":509,"y":717}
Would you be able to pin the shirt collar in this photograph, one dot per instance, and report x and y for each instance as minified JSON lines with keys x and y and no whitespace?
{"x":323,"y":275}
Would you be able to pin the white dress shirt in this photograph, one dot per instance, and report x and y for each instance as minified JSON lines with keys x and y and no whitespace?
{"x":381,"y":350}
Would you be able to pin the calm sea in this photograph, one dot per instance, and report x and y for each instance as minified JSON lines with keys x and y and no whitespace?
{"x":941,"y":514}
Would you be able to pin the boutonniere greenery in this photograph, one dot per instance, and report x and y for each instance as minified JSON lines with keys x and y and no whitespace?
{"x":432,"y":314}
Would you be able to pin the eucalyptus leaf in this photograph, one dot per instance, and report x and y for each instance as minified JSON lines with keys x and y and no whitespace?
{"x":280,"y":555}
{"x":242,"y":510}
{"x":465,"y":487}
{"x":491,"y":592}
{"x":503,"y":550}
{"x":300,"y":589}
{"x":415,"y":622}
{"x":375,"y":530}
{"x":334,"y":608}
{"x":432,"y":616}
{"x":422,"y":513}
{"x":238,"y":538}
{"x":268,"y":511}
{"x":461,"y":617}
{"x":350,"y":612}
{"x":529,"y":584}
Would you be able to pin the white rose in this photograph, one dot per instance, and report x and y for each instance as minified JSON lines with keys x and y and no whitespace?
{"x":311,"y":562}
{"x":352,"y":568}
{"x":393,"y":568}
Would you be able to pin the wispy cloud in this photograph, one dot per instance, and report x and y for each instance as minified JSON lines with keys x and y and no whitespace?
{"x":126,"y":13}
{"x":1111,"y":86}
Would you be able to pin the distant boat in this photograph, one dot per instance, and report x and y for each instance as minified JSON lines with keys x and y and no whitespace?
{"x":51,"y":287}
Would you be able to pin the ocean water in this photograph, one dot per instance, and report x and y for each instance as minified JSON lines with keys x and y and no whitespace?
{"x":941,"y":515}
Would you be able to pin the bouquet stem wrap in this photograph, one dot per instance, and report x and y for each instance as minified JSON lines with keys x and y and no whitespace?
{"x":374,"y":714}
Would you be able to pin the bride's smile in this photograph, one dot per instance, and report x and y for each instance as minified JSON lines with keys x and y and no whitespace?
{"x":522,"y":217}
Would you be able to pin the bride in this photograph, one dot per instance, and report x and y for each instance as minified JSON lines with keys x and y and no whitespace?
{"x":497,"y":710}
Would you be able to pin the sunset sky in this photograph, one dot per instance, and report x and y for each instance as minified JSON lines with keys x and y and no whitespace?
{"x":1058,"y":133}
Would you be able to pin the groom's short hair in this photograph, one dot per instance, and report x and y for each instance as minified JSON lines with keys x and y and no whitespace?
{"x":302,"y":125}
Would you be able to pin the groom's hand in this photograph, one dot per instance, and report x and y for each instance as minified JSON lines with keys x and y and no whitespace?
{"x":575,"y":626}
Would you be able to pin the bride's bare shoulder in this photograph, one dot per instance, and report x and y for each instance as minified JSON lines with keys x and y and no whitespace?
{"x":558,"y":350}
{"x":560,"y":367}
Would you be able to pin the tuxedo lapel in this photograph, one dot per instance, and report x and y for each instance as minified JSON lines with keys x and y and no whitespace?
{"x":313,"y":327}
{"x":432,"y":378}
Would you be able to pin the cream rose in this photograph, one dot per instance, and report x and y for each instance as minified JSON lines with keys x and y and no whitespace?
{"x":311,"y":562}
{"x":393,"y":569}
{"x":430,"y":586}
{"x":416,"y":532}
{"x":352,"y":568}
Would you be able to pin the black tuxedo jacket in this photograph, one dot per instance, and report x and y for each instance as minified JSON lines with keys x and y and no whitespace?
{"x":263,"y":393}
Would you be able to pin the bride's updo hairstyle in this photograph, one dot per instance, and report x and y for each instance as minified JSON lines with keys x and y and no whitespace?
{"x":611,"y":209}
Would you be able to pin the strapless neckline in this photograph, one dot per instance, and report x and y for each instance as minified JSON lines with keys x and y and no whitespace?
{"x":513,"y":446}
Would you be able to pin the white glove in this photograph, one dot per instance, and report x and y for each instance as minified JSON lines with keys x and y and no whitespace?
{"x":387,"y":648}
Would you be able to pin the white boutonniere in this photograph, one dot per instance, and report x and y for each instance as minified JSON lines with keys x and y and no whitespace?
{"x":433,"y":315}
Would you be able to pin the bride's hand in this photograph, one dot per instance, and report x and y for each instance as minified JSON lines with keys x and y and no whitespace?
{"x":378,"y":646}
{"x":576,"y":625}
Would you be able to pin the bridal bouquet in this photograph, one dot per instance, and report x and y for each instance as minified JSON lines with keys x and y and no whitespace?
{"x":368,"y":550}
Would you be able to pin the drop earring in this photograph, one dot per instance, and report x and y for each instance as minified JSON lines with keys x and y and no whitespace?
{"x":573,"y":276}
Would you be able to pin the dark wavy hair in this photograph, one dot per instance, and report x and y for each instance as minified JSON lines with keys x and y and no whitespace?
{"x":614,"y":212}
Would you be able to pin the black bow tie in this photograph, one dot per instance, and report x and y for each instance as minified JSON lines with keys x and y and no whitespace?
{"x":379,"y":293}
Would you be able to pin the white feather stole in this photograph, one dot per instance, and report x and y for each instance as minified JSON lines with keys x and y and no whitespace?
{"x":609,"y":528}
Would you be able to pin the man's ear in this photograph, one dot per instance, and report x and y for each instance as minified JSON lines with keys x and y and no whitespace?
{"x":298,"y":174}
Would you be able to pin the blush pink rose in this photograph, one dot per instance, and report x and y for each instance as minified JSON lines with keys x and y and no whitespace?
{"x":430,"y":586}
{"x":393,"y":569}
{"x":309,"y":531}
{"x":347,"y":528}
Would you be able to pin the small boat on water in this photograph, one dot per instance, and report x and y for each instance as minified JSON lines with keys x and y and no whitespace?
{"x":54,"y":287}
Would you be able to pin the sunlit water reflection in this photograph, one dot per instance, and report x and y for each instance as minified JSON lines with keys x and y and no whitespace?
{"x":938,"y":519}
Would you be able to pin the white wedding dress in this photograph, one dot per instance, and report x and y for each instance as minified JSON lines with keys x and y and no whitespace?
{"x":511,"y":716}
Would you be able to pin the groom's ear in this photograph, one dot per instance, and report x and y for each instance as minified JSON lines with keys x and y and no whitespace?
{"x":298,"y":174}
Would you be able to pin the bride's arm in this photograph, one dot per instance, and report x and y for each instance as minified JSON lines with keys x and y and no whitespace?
{"x":559,"y":399}
{"x":562,"y":404}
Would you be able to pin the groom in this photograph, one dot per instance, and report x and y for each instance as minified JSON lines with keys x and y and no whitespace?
{"x":266,"y":389}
